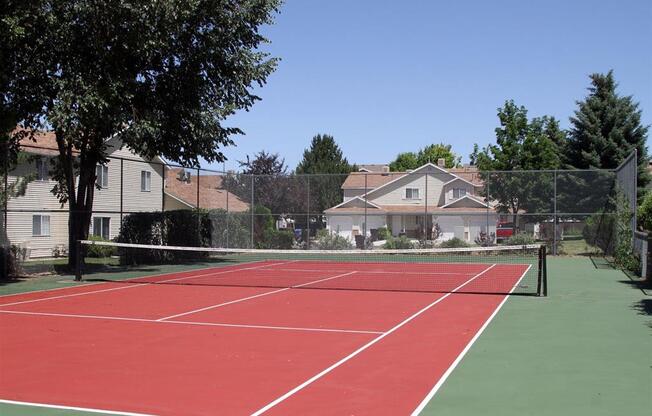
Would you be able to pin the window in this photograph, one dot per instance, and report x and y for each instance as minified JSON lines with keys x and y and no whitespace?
{"x":411,"y":193}
{"x":40,"y":225}
{"x":102,"y":173}
{"x":459,"y":192}
{"x":145,"y":181}
{"x":41,"y":170}
{"x":101,"y":227}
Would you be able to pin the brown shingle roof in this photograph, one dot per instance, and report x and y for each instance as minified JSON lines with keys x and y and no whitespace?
{"x":356,"y":180}
{"x":405,"y":209}
{"x":211,"y":193}
{"x":44,"y":143}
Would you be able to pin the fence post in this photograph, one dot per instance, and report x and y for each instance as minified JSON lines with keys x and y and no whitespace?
{"x":425,"y":215}
{"x":554,"y":227}
{"x":488,"y":206}
{"x":6,"y":251}
{"x":364,"y":229}
{"x":308,"y":213}
{"x":122,"y":182}
{"x":252,"y":211}
{"x":199,"y":243}
{"x":228,"y":214}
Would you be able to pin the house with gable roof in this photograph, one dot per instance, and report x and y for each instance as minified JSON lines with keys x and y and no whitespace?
{"x":413,"y":203}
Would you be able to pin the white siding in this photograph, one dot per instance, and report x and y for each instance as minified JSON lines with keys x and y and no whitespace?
{"x":394,"y":193}
{"x":352,"y":193}
{"x":19,"y":230}
{"x":350,"y":225}
{"x":39,"y":200}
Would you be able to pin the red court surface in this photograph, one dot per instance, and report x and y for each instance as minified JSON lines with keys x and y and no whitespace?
{"x":230,"y":341}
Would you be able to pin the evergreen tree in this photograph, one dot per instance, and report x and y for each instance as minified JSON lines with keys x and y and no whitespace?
{"x":325,"y":161}
{"x":606,"y":128}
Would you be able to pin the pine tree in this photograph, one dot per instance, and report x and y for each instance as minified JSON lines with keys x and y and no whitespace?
{"x":325,"y":160}
{"x":606,"y":128}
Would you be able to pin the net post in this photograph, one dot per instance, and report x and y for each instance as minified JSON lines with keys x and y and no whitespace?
{"x":78,"y":264}
{"x":542,"y":278}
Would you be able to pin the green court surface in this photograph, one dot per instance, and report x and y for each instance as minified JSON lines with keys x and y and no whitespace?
{"x":586,"y":349}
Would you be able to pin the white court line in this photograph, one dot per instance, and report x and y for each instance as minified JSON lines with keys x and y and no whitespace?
{"x":461,"y":355}
{"x":220,"y":324}
{"x":364,"y":347}
{"x":80,"y":409}
{"x":132,"y":286}
{"x":253,"y":297}
{"x":370,"y":271}
{"x":125,"y":280}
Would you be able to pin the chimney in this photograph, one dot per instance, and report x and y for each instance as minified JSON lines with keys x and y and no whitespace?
{"x":441,"y":162}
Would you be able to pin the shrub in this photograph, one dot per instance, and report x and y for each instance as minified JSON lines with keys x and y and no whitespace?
{"x":278,"y":239}
{"x":332,"y":241}
{"x":645,"y":212}
{"x":520,"y":239}
{"x":384,"y":233}
{"x":231,"y":230}
{"x":9,"y":263}
{"x":99,"y":251}
{"x":454,"y":243}
{"x":401,"y":242}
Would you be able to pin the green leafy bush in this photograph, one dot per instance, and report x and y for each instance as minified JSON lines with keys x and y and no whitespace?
{"x":398,"y":243}
{"x":454,"y":243}
{"x":277,"y":239}
{"x":9,"y":262}
{"x":520,"y":239}
{"x":332,"y":241}
{"x":645,"y":212}
{"x":99,"y":251}
{"x":384,"y":233}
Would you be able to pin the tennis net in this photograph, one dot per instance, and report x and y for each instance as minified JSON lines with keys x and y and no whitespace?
{"x":489,"y":270}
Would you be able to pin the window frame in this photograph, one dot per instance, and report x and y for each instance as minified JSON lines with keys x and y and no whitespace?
{"x":461,"y":192}
{"x":41,"y":228}
{"x":412,"y":192}
{"x":102,"y":227}
{"x":42,"y":171}
{"x":102,"y":174}
{"x":145,"y":179}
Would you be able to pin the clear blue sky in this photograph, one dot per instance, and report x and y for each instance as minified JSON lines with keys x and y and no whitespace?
{"x":385,"y":77}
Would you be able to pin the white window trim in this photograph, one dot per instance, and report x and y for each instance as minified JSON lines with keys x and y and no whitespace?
{"x":108,"y":237}
{"x":405,"y":196}
{"x":103,"y":177}
{"x":42,"y":168}
{"x":41,"y":222}
{"x":148,"y":181}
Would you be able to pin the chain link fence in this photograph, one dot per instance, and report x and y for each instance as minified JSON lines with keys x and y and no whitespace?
{"x":152,"y":202}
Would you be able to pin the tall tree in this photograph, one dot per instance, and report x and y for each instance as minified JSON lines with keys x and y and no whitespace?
{"x":429,"y":154}
{"x":328,"y":166}
{"x":264,"y":180}
{"x":521,"y":145}
{"x":606,"y":128}
{"x":160,"y":75}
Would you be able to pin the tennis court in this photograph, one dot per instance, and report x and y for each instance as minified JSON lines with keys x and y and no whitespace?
{"x":373,"y":335}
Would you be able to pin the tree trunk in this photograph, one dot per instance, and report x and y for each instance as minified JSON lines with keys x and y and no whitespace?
{"x":80,"y":213}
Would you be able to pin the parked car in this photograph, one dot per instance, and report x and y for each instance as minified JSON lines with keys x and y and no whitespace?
{"x":504,"y":231}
